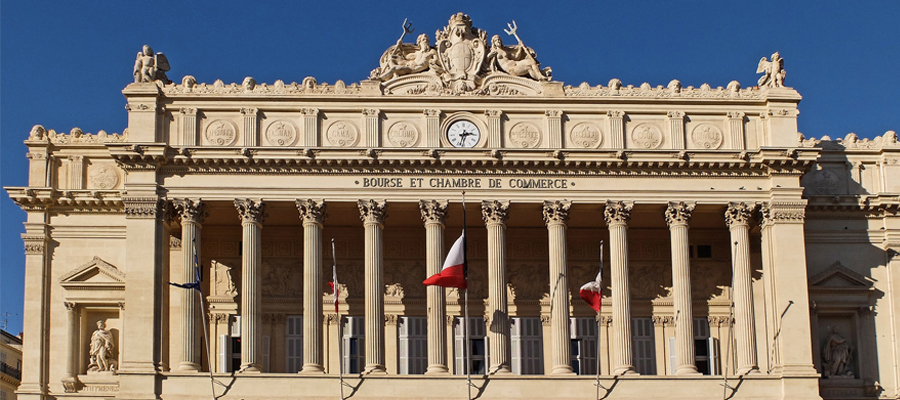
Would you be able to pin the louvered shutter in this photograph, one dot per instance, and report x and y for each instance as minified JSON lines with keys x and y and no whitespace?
{"x":673,"y":361}
{"x":643,"y":345}
{"x":224,"y":353}
{"x":266,"y":350}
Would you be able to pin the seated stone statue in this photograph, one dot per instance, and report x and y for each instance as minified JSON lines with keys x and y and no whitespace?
{"x":404,"y":59}
{"x":149,"y":67}
{"x":773,"y":71}
{"x":518,"y":60}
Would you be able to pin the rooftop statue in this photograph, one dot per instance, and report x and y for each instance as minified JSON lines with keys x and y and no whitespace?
{"x":149,"y":67}
{"x":459,"y":61}
{"x":773,"y":71}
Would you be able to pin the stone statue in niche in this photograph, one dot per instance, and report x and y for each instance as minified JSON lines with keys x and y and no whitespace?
{"x":837,"y":355}
{"x":404,"y":59}
{"x":222,"y":277}
{"x":519,"y":60}
{"x":101,"y":351}
{"x":773,"y":71}
{"x":149,"y":67}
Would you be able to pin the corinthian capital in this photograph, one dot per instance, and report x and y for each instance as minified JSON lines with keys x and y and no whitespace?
{"x":738,"y":213}
{"x":617,"y":212}
{"x":250,"y":210}
{"x":495,"y":212}
{"x":372,"y":212}
{"x":190,"y":210}
{"x":556,"y":212}
{"x":679,"y":213}
{"x":311,"y":211}
{"x":433,"y":211}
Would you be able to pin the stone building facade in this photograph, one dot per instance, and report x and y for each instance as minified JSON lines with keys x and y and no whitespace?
{"x":736,"y":249}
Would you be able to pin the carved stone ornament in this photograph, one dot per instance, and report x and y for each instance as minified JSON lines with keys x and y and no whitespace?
{"x":773,"y":71}
{"x":101,"y":350}
{"x":738,"y":213}
{"x":372,"y":212}
{"x":221,"y":133}
{"x":556,"y":212}
{"x":825,"y":181}
{"x":223,"y":284}
{"x":281,"y":133}
{"x":679,"y":213}
{"x":525,"y":135}
{"x":343,"y":134}
{"x":103,"y":176}
{"x":144,"y":207}
{"x":460,"y":62}
{"x":34,"y":244}
{"x":150,"y":67}
{"x":250,"y":210}
{"x":707,"y":136}
{"x":585,"y":135}
{"x":775,"y":212}
{"x":433,"y":211}
{"x":837,"y":356}
{"x":646,"y":136}
{"x":617,"y":212}
{"x":190,"y":210}
{"x":311,"y":211}
{"x":403,"y":134}
{"x":495,"y":212}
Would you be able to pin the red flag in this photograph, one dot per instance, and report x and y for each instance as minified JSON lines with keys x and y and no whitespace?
{"x":592,"y":292}
{"x":453,"y":273}
{"x":334,"y":287}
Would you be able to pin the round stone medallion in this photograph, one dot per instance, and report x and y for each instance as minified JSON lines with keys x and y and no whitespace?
{"x":585,"y":135}
{"x":706,"y":136}
{"x":342,"y":134}
{"x":281,"y":133}
{"x":403,"y":134}
{"x":221,"y":133}
{"x":524,"y":135}
{"x":646,"y":136}
{"x":104,"y":177}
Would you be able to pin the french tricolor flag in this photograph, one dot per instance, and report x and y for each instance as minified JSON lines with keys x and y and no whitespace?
{"x":591,"y":292}
{"x":453,"y":274}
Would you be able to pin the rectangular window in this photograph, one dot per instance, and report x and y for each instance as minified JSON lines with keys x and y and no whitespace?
{"x":583,"y":331}
{"x":235,"y":343}
{"x":477,"y":346}
{"x":413,"y":345}
{"x":293,"y":343}
{"x":704,"y":251}
{"x":527,"y":345}
{"x":354,"y":342}
{"x":643,"y":345}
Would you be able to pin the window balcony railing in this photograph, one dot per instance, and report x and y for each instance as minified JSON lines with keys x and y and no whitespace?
{"x":11,"y":371}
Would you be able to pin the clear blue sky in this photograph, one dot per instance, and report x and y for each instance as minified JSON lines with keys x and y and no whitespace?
{"x":64,"y":63}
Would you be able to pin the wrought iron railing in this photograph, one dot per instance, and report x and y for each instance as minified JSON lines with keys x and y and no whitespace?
{"x":11,"y":371}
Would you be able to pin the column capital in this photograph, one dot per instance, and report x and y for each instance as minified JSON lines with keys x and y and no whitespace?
{"x":251,"y":210}
{"x":431,"y":112}
{"x":190,"y":210}
{"x":617,"y":212}
{"x":736,"y":115}
{"x":372,"y":212}
{"x":675,"y":114}
{"x":556,"y":212}
{"x":433,"y":211}
{"x":782,"y":211}
{"x":493,"y":113}
{"x":494,"y":212}
{"x":34,"y":244}
{"x":679,"y":213}
{"x":371,"y":112}
{"x":738,"y":213}
{"x":311,"y":211}
{"x":144,"y":207}
{"x":71,"y":305}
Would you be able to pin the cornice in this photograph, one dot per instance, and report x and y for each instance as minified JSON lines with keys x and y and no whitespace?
{"x":76,"y":201}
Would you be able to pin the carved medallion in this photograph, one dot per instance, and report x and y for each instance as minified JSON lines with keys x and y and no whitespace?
{"x":104,"y":177}
{"x":221,"y":133}
{"x":524,"y":135}
{"x":342,"y":134}
{"x":706,"y":136}
{"x":281,"y":133}
{"x":403,"y":134}
{"x":825,"y":182}
{"x":585,"y":135}
{"x":646,"y":136}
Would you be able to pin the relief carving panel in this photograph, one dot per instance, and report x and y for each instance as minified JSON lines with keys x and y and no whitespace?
{"x":403,"y":134}
{"x":281,"y":133}
{"x":103,"y":176}
{"x":343,"y":134}
{"x":585,"y":135}
{"x":524,"y":135}
{"x":646,"y":136}
{"x":221,"y":133}
{"x":706,"y":136}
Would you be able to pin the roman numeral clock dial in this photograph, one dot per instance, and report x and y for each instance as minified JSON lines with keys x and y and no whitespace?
{"x":463,"y":134}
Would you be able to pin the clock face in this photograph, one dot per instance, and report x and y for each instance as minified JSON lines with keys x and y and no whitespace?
{"x":463,"y":133}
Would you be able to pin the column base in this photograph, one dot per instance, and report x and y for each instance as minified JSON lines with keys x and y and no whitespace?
{"x":753,"y":370}
{"x":437,"y":369}
{"x":375,"y":370}
{"x":562,"y":370}
{"x":250,"y":368}
{"x":500,"y":370}
{"x":188,"y":367}
{"x":625,"y":370}
{"x":687,"y":369}
{"x":312,"y":369}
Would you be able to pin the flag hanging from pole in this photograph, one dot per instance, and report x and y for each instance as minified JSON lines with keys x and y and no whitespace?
{"x":592,"y":292}
{"x":334,"y":286}
{"x":453,"y":273}
{"x":197,"y":277}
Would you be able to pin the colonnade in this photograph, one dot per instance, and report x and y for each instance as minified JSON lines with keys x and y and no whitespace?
{"x":495,"y":215}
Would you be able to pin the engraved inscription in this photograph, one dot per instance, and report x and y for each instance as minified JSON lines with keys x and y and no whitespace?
{"x":646,"y":136}
{"x":221,"y":133}
{"x":585,"y":135}
{"x":403,"y":134}
{"x":104,"y":177}
{"x":524,"y":135}
{"x":706,"y":136}
{"x":342,"y":134}
{"x":281,"y":133}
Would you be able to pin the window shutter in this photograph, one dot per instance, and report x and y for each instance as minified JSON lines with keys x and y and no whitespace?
{"x":515,"y":340}
{"x":459,"y":349}
{"x":403,"y":327}
{"x":293,"y":343}
{"x":266,"y":349}
{"x":224,"y":353}
{"x":714,"y":366}
{"x":672,"y":359}
{"x":533,"y":346}
{"x":643,"y":345}
{"x":413,"y":345}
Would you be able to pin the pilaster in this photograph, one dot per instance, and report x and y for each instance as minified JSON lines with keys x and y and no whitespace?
{"x":188,"y":126}
{"x":616,"y":129}
{"x":676,"y":129}
{"x":494,"y":134}
{"x":310,"y":126}
{"x":736,"y":129}
{"x":432,"y":127}
{"x":36,"y":307}
{"x":373,"y":127}
{"x":554,"y":128}
{"x":251,"y":126}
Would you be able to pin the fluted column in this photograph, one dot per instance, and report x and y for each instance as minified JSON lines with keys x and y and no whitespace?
{"x":495,"y":215}
{"x":70,"y":378}
{"x":373,"y":214}
{"x":313,"y":215}
{"x":192,"y":213}
{"x":617,"y":215}
{"x":737,"y":217}
{"x":677,"y":216}
{"x":556,"y":216}
{"x":433,"y":215}
{"x":252,"y":213}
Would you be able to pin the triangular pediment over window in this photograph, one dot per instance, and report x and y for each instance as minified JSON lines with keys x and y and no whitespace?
{"x":94,"y":275}
{"x":839,"y":276}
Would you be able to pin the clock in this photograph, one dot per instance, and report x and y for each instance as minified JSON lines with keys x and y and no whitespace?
{"x":463,"y":133}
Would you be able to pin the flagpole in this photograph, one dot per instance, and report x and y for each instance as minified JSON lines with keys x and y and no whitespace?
{"x":467,"y":361}
{"x":212,"y":380}
{"x":339,"y":324}
{"x":598,"y":322}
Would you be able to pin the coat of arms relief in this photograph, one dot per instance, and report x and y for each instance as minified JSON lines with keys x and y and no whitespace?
{"x":460,"y":62}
